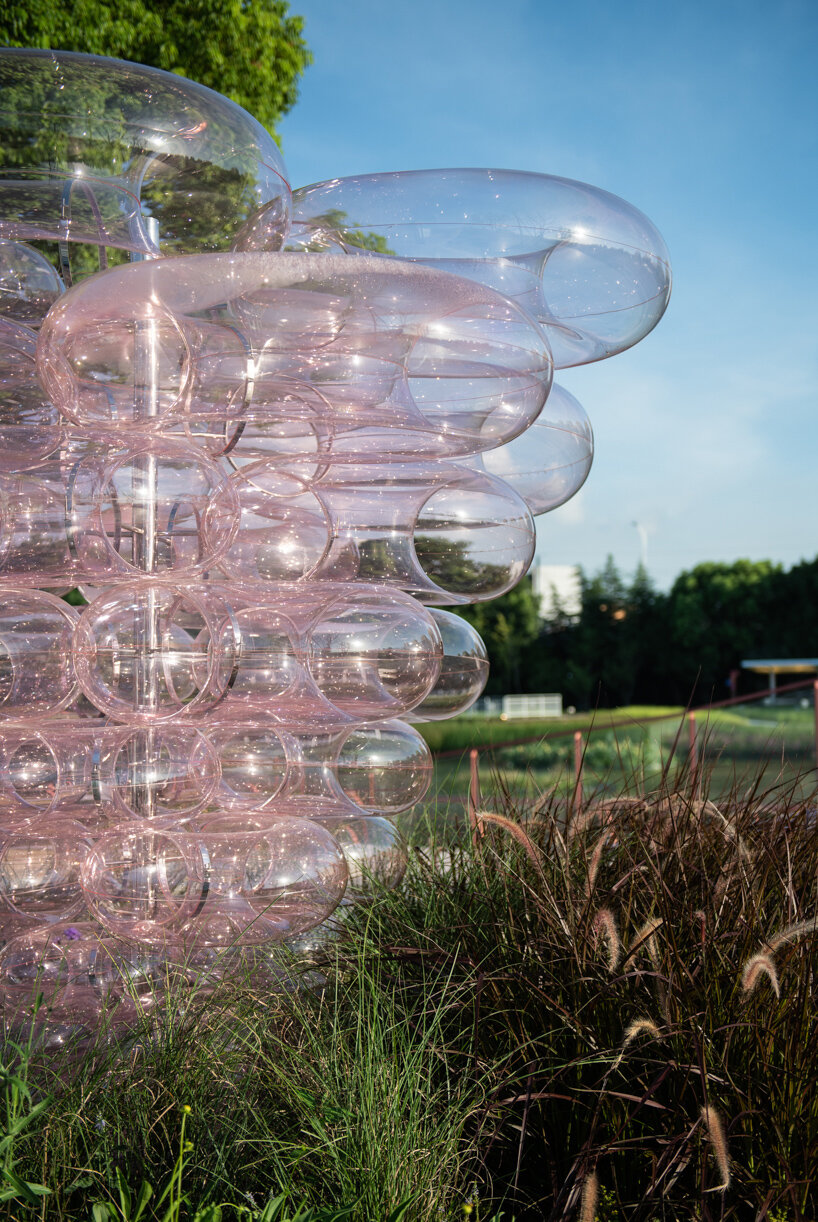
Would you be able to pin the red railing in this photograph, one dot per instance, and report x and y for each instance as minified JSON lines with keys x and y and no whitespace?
{"x":580,"y":738}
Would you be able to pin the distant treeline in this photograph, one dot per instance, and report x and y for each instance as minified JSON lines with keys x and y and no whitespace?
{"x":632,"y":644}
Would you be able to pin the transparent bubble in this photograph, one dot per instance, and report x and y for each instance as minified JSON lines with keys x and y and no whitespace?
{"x":238,"y":878}
{"x":159,"y":509}
{"x":143,"y":651}
{"x":254,"y":764}
{"x":29,"y":284}
{"x":157,"y":772}
{"x":385,"y":768}
{"x":374,"y":850}
{"x":375,"y":656}
{"x":588,"y":266}
{"x":40,"y":870}
{"x":36,"y":664}
{"x":551,"y":461}
{"x":115,"y":154}
{"x":30,"y":426}
{"x":463,"y":671}
{"x":284,"y":531}
{"x":474,"y":539}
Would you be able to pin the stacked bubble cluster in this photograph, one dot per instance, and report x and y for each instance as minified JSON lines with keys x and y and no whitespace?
{"x":269,"y":437}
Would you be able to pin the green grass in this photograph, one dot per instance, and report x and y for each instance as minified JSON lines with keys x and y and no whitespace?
{"x":607,"y":1012}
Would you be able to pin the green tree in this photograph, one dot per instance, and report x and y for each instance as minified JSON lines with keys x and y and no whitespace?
{"x":251,"y":50}
{"x":717,"y":615}
{"x":510,"y":628}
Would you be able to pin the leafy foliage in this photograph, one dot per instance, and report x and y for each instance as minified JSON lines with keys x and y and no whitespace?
{"x":252,"y":50}
{"x":632,"y":643}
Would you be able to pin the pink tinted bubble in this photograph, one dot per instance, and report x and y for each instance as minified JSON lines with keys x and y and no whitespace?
{"x":103,"y":368}
{"x":160,"y":772}
{"x":284,"y":529}
{"x":375,"y":852}
{"x":550,"y":463}
{"x":142,"y":651}
{"x":44,"y":770}
{"x":237,"y":879}
{"x":588,"y":266}
{"x":254,"y":761}
{"x":480,"y":367}
{"x":36,"y":664}
{"x":464,"y":670}
{"x":158,"y":508}
{"x":474,"y":539}
{"x":79,"y":973}
{"x":40,"y":869}
{"x":34,"y":540}
{"x":385,"y":768}
{"x":30,"y":427}
{"x":265,"y":665}
{"x":375,"y":654}
{"x":29,"y":284}
{"x":96,"y":135}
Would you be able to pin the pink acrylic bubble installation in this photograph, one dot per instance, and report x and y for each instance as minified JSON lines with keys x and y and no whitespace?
{"x":270,"y":447}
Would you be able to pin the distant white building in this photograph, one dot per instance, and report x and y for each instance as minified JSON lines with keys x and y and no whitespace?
{"x":557,"y":583}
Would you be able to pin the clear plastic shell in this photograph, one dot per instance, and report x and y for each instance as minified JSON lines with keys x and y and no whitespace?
{"x":235,"y":877}
{"x":105,"y":152}
{"x":261,"y":450}
{"x":589,"y":266}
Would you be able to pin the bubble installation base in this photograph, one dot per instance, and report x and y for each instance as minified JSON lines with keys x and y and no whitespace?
{"x":271,"y":438}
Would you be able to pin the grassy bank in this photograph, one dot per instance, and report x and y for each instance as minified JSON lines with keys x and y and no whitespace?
{"x":606,"y":1014}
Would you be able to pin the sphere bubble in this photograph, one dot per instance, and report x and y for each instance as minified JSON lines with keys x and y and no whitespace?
{"x":463,"y":671}
{"x":385,"y":768}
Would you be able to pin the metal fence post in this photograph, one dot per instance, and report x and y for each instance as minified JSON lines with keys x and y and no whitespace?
{"x":474,"y":795}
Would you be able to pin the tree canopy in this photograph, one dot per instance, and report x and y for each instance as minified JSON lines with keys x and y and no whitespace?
{"x":251,"y":50}
{"x":634,"y":644}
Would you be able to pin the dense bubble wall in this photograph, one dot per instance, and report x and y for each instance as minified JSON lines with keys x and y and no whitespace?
{"x":271,"y":438}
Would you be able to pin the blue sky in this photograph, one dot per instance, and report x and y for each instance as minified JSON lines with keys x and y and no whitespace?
{"x":703,"y":116}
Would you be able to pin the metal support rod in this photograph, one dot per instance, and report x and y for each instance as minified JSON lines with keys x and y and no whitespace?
{"x":145,"y":522}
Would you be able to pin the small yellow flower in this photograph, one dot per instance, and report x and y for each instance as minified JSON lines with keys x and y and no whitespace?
{"x":467,"y":1208}
{"x":187,"y":1109}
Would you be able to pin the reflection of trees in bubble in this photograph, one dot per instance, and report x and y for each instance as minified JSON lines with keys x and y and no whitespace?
{"x":197,"y":206}
{"x":454,"y":569}
{"x":329,"y":229}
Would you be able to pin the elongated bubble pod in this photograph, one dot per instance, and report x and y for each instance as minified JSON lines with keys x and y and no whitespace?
{"x":441,"y":531}
{"x":83,"y":519}
{"x":111,"y":153}
{"x":387,"y":359}
{"x":319,"y":656}
{"x":231,"y":878}
{"x":588,"y":266}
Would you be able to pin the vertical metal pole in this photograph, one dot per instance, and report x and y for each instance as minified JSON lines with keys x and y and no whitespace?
{"x":578,"y":769}
{"x":474,"y":795}
{"x":145,"y":526}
